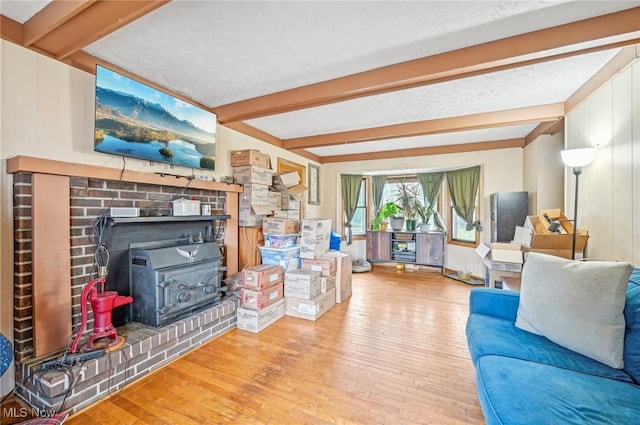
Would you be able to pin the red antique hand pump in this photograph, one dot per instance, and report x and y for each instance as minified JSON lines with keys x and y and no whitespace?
{"x":102,"y":303}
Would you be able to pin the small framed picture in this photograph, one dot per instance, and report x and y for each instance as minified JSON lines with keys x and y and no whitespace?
{"x":314,"y":185}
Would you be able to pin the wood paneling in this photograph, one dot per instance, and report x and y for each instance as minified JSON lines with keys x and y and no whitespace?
{"x":51,"y":263}
{"x":608,"y":200}
{"x":250,"y":239}
{"x":394,"y":353}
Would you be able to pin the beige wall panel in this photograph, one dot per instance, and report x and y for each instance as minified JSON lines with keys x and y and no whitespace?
{"x":610,"y":186}
{"x":544,"y":172}
{"x":51,"y":263}
{"x":635,"y":216}
{"x":622,"y":169}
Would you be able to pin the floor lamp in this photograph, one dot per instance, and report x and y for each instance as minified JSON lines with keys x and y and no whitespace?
{"x":576,"y":159}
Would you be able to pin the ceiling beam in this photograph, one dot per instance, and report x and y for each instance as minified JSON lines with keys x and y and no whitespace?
{"x":51,"y":17}
{"x":550,"y":112}
{"x":604,"y":74}
{"x":481,"y":58}
{"x":11,"y":30}
{"x":432,"y":150}
{"x":549,"y":127}
{"x":61,"y":38}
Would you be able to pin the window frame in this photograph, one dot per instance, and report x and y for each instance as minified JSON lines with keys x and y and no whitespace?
{"x":449,"y":218}
{"x":366,"y":186}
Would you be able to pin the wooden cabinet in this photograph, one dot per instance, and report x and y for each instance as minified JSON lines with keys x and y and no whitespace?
{"x":423,"y":248}
{"x":430,"y":248}
{"x":379,"y":245}
{"x":250,"y":239}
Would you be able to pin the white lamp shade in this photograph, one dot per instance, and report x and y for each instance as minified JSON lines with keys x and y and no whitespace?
{"x":578,"y":157}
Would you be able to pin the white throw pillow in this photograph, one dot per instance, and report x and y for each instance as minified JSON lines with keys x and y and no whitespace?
{"x":576,"y":304}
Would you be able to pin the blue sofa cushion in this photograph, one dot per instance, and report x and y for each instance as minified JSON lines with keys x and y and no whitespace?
{"x":489,"y":335}
{"x":632,"y":331}
{"x":514,"y":391}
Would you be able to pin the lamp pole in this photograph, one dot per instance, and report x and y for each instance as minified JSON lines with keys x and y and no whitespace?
{"x":576,"y":159}
{"x":576,"y":172}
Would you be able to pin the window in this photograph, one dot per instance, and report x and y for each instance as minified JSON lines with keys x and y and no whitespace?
{"x":457,"y":233}
{"x":459,"y":230}
{"x":359,"y":221}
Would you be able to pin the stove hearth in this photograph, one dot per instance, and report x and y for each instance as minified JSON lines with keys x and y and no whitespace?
{"x":171,"y":282}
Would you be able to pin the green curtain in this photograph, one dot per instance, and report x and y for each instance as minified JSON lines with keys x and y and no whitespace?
{"x":431,"y":184}
{"x":350,"y":192}
{"x":377,"y":188}
{"x":463,"y":188}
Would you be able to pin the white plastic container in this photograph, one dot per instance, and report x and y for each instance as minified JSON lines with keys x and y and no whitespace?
{"x":186,"y":207}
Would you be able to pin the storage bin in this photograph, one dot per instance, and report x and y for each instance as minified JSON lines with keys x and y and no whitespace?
{"x":288,"y":258}
{"x":280,"y":241}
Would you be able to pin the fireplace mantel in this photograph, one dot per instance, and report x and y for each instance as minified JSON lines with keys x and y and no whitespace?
{"x":27,"y":164}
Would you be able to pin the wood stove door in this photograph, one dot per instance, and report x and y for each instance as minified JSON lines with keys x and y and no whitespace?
{"x":178,"y":291}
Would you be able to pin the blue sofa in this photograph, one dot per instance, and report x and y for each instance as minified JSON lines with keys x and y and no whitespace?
{"x":524,"y":378}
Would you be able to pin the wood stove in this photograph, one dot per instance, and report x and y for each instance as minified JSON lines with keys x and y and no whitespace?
{"x":171,"y":282}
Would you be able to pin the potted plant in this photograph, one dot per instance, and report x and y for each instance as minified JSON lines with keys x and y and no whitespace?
{"x":425,"y":214}
{"x":408,"y":200}
{"x":387,"y":211}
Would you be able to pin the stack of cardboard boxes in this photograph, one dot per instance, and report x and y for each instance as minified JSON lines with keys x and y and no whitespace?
{"x":280,"y":243}
{"x":252,"y":169}
{"x":287,"y":196}
{"x":262,"y":297}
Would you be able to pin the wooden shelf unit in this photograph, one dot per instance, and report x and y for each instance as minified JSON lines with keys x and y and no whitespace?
{"x":407,"y":247}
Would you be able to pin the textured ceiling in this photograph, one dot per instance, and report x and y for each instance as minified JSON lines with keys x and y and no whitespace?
{"x":220,"y":52}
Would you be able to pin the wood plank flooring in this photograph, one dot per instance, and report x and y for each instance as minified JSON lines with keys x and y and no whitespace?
{"x":395,"y":353}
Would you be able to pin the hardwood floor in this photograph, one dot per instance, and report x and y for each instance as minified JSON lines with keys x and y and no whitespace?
{"x":395,"y":353}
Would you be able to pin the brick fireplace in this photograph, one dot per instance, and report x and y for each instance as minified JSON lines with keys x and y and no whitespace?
{"x":90,"y":191}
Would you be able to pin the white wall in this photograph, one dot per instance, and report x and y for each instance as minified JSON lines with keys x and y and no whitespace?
{"x":6,"y":241}
{"x":609,"y":188}
{"x":544,"y":173}
{"x":502,"y":171}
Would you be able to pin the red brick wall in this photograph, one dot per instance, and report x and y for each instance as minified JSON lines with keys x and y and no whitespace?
{"x":89,"y":198}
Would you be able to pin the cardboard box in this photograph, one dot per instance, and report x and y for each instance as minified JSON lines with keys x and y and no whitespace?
{"x":257,"y":320}
{"x":343,"y":274}
{"x":310,"y":309}
{"x":255,"y":194}
{"x":252,"y":215}
{"x":501,"y":256}
{"x":530,"y":238}
{"x":327,"y":283}
{"x":261,"y":298}
{"x":262,"y":276}
{"x":288,"y":202}
{"x":316,"y":236}
{"x":252,"y":174}
{"x":290,"y":214}
{"x":303,"y":284}
{"x":280,"y":226}
{"x":286,"y":180}
{"x":325,"y":265}
{"x":564,"y":253}
{"x":250,"y":157}
{"x":275,"y":200}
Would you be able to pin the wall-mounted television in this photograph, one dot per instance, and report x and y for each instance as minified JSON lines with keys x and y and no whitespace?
{"x":135,"y":120}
